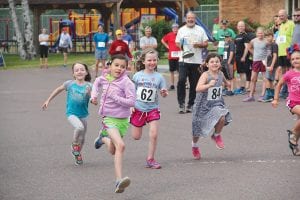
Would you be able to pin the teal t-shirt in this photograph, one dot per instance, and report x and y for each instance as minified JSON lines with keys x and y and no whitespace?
{"x":78,"y":97}
{"x":100,"y":40}
{"x":220,"y":37}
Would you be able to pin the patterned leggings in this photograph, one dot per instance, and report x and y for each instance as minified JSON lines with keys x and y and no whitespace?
{"x":80,"y":128}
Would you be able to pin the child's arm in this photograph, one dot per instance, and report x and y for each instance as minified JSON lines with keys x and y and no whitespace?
{"x":276,"y":94}
{"x":274,"y":59}
{"x":225,"y":81}
{"x":95,"y":91}
{"x":52,"y":95}
{"x":129,"y":98}
{"x":250,"y":47}
{"x":202,"y":85}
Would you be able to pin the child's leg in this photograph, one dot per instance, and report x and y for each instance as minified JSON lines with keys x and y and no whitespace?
{"x":79,"y":128}
{"x":263,"y":89}
{"x":137,"y":132}
{"x":153,"y":134}
{"x":219,"y":126}
{"x":119,"y":145}
{"x":296,"y":128}
{"x":253,"y":83}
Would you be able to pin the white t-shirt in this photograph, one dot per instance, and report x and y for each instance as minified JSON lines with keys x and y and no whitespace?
{"x":44,"y":37}
{"x":190,"y":36}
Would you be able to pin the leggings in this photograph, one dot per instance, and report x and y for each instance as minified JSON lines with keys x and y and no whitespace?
{"x":80,"y":128}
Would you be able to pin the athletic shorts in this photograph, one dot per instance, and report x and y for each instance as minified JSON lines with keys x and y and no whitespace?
{"x":242,"y":67}
{"x":173,"y":65}
{"x":271,"y":75}
{"x":258,"y":66}
{"x":63,"y":49}
{"x":139,"y":118}
{"x":291,"y":104}
{"x":283,"y":62}
{"x":121,"y":124}
{"x":101,"y":54}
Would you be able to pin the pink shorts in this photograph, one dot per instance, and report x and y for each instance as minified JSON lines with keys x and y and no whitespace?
{"x":258,"y":66}
{"x":291,"y":104}
{"x":139,"y":118}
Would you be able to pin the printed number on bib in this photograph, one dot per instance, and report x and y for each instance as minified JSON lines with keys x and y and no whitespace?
{"x":175,"y":54}
{"x":281,"y":39}
{"x":214,"y":93}
{"x":146,"y":94}
{"x":101,"y":44}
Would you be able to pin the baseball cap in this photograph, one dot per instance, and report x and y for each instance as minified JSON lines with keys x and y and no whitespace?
{"x":118,"y":32}
{"x":174,"y":25}
{"x":224,"y":21}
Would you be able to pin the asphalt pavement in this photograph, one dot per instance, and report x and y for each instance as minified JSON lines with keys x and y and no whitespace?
{"x":36,"y":161}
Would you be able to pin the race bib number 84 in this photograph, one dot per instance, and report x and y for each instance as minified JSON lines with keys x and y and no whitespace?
{"x":146,"y":94}
{"x":214,"y":93}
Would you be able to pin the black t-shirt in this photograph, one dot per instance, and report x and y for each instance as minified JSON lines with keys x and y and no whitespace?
{"x":272,"y":48}
{"x":240,"y":41}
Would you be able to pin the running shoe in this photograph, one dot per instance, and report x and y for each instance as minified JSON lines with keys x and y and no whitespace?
{"x":218,"y":140}
{"x":172,"y":87}
{"x":189,"y":109}
{"x":78,"y":160}
{"x":249,"y":99}
{"x":181,"y":109}
{"x":196,"y":153}
{"x":122,"y":184}
{"x":76,"y":148}
{"x":151,"y":163}
{"x":98,"y":142}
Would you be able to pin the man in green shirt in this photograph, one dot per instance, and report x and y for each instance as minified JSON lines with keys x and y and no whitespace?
{"x":220,"y":36}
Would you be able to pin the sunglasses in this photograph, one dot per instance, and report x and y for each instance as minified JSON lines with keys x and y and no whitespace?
{"x":296,"y":15}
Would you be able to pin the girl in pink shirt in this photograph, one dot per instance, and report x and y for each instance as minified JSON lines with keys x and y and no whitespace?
{"x":292,"y":79}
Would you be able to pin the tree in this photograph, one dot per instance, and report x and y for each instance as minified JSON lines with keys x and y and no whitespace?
{"x":28,"y":31}
{"x":19,"y":37}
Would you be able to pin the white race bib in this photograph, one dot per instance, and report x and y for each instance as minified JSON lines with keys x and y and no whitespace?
{"x":281,"y":39}
{"x":214,"y":93}
{"x":225,"y":56}
{"x":146,"y":94}
{"x":221,"y":44}
{"x":101,"y":44}
{"x":175,"y":54}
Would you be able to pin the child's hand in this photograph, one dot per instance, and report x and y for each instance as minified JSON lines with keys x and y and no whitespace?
{"x":274,"y":103}
{"x":270,"y":69}
{"x":132,"y":109}
{"x":94,"y":101}
{"x":45,"y":105}
{"x":164,"y":92}
{"x":212,"y":82}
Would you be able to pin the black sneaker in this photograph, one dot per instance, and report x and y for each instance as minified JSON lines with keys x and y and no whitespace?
{"x":172,"y":87}
{"x":189,"y":109}
{"x":181,"y":109}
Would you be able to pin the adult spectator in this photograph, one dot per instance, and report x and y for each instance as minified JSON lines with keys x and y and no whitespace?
{"x":216,"y":27}
{"x":168,"y":41}
{"x":296,"y":33}
{"x":284,"y":40}
{"x":242,"y":60}
{"x":118,"y":46}
{"x":65,"y":43}
{"x":129,"y":41}
{"x":220,"y":36}
{"x":100,"y":42}
{"x":148,"y":41}
{"x":43,"y":40}
{"x":194,"y":38}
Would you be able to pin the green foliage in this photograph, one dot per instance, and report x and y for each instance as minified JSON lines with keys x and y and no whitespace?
{"x":159,"y":29}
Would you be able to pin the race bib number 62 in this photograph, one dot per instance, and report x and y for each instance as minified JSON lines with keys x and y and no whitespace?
{"x":146,"y":94}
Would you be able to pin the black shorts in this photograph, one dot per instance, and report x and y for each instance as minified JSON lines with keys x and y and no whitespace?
{"x":283,"y":62}
{"x":173,"y":65}
{"x":63,"y":49}
{"x":242,"y":67}
{"x":44,"y":51}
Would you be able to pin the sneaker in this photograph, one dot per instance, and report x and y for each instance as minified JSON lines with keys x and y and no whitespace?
{"x":76,"y":148}
{"x":237,"y":91}
{"x":268,"y":99}
{"x":260,"y":99}
{"x":243,"y":91}
{"x":224,"y":92}
{"x":98,"y":142}
{"x":196,"y":153}
{"x":189,"y":109}
{"x":122,"y":184}
{"x":181,"y":109}
{"x":172,"y":87}
{"x":229,"y":93}
{"x":218,"y":140}
{"x":78,"y":160}
{"x":249,"y":99}
{"x":151,"y":163}
{"x":64,"y":65}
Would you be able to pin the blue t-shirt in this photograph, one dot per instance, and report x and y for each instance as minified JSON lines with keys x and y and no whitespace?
{"x":100,"y":40}
{"x":148,"y":88}
{"x":78,"y":97}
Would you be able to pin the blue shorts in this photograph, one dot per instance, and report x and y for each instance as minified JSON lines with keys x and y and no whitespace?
{"x":270,"y":75}
{"x":101,"y":54}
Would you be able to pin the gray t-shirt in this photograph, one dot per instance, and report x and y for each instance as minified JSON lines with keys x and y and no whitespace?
{"x":296,"y":34}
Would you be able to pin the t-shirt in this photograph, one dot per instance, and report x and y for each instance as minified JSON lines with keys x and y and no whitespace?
{"x":100,"y":40}
{"x":284,"y":38}
{"x":145,"y":41}
{"x":240,"y":41}
{"x":78,"y":97}
{"x":148,"y":88}
{"x":271,"y":49}
{"x":292,"y":78}
{"x":174,"y":50}
{"x":296,"y":34}
{"x":220,"y":37}
{"x":228,"y":47}
{"x":44,"y":37}
{"x":65,"y":40}
{"x":259,"y":49}
{"x":187,"y":37}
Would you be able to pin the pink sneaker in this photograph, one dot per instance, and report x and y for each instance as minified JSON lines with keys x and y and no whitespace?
{"x":196,"y":153}
{"x":218,"y":140}
{"x":76,"y":148}
{"x":151,"y":163}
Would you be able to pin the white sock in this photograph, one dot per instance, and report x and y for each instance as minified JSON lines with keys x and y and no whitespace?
{"x":216,"y":134}
{"x":194,"y":144}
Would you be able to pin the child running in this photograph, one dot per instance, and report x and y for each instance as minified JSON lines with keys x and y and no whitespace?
{"x":78,"y":95}
{"x":292,"y":79}
{"x":209,"y":111}
{"x":118,"y":96}
{"x":148,"y":84}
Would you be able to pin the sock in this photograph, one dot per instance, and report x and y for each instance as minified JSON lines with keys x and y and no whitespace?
{"x":194,"y":144}
{"x":216,"y":134}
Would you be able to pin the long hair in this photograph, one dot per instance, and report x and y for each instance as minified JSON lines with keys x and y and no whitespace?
{"x":87,"y":77}
{"x":140,"y":65}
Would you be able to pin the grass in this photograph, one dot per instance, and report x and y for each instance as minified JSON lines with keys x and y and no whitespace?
{"x":13,"y":61}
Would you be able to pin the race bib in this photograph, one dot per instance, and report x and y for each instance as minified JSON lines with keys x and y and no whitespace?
{"x":146,"y":94}
{"x":214,"y":93}
{"x":175,"y":54}
{"x":101,"y":44}
{"x":225,"y":56}
{"x":221,"y":44}
{"x":281,"y":39}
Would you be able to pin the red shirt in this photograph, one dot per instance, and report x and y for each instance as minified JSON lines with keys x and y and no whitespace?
{"x":124,"y":48}
{"x":169,"y":38}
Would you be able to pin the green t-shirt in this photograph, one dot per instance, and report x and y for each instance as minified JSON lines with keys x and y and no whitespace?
{"x":284,"y":38}
{"x":220,"y":37}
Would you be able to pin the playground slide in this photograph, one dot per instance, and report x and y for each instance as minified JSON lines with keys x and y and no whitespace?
{"x":172,"y":13}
